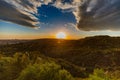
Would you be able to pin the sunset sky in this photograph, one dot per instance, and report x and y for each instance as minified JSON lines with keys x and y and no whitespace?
{"x":34,"y":19}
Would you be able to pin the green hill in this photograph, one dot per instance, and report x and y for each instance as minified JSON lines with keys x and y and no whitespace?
{"x":78,"y":56}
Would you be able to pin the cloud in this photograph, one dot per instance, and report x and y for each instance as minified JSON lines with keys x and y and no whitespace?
{"x":61,"y":5}
{"x":99,"y":15}
{"x":90,"y":15}
{"x":93,"y":15}
{"x":21,"y":12}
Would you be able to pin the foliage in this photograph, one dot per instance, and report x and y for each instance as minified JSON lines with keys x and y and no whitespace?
{"x":46,"y":71}
{"x":10,"y":67}
{"x":99,"y":74}
{"x":115,"y":75}
{"x":21,"y":67}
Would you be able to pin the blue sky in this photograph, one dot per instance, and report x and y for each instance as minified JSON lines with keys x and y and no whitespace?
{"x":53,"y":17}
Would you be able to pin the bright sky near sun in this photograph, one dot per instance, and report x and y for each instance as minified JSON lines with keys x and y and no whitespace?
{"x":61,"y":35}
{"x":47,"y":18}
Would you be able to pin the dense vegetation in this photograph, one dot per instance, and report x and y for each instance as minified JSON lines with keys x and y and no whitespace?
{"x":92,"y":58}
{"x":21,"y":67}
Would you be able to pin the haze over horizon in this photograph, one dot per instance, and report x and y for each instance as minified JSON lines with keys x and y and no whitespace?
{"x":35,"y":19}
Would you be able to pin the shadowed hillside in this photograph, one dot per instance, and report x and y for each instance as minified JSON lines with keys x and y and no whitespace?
{"x":80,"y":57}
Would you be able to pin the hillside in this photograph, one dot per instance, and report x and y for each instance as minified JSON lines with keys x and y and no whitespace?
{"x":83,"y":54}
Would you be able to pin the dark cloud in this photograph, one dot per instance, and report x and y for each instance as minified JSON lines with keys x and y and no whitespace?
{"x":99,"y":15}
{"x":19,"y":12}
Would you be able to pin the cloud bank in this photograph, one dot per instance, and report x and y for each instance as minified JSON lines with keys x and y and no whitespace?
{"x":99,"y":15}
{"x":90,"y":14}
{"x":21,"y":12}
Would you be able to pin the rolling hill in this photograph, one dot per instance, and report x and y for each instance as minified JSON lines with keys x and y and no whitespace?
{"x":77,"y":56}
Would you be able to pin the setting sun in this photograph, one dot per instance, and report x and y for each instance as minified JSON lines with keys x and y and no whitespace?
{"x":61,"y":35}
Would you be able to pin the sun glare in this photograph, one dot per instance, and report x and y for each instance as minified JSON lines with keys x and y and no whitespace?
{"x":61,"y":35}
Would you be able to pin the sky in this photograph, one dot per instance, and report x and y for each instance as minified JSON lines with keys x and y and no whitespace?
{"x":34,"y":19}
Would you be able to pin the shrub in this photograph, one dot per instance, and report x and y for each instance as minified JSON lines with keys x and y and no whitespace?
{"x":46,"y":71}
{"x":99,"y":74}
{"x":115,"y":75}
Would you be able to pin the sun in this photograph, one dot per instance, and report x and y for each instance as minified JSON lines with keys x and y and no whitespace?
{"x":61,"y":35}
